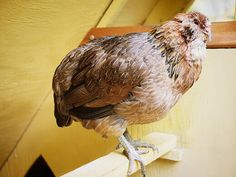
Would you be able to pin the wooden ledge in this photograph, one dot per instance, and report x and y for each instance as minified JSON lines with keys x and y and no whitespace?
{"x":116,"y":164}
{"x":223,"y":33}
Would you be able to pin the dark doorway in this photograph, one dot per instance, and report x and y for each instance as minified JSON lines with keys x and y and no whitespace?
{"x":40,"y":168}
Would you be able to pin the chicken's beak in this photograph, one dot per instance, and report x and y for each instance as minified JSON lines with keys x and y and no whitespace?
{"x":209,"y":33}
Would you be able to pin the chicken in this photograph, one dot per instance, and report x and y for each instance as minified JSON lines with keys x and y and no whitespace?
{"x":113,"y":82}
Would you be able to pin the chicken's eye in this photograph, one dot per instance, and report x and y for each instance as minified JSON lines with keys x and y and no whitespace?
{"x":195,"y":21}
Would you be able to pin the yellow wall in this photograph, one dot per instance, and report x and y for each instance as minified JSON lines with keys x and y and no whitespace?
{"x":133,"y":13}
{"x":36,"y":35}
{"x":165,"y":10}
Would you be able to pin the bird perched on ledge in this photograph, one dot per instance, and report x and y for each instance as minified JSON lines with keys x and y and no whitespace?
{"x":113,"y":82}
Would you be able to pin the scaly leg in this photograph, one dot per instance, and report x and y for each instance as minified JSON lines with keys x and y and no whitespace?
{"x":132,"y":155}
{"x":137,"y":144}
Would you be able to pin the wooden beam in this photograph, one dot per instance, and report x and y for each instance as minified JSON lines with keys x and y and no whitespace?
{"x":174,"y":155}
{"x":140,"y":8}
{"x":223,"y":33}
{"x":112,"y":12}
{"x":116,"y":164}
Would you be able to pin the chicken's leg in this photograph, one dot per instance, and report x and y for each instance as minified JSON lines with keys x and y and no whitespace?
{"x":131,"y":150}
{"x":132,"y":155}
{"x":138,"y":143}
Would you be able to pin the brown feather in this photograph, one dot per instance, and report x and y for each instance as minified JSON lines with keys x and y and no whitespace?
{"x":78,"y":96}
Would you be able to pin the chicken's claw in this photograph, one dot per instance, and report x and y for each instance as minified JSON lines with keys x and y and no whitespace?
{"x":133,"y":155}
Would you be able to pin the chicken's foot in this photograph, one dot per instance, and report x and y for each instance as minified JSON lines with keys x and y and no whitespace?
{"x":138,"y":144}
{"x":132,"y":155}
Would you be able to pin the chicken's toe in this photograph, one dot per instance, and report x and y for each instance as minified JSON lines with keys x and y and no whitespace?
{"x":132,"y":155}
{"x":139,"y":144}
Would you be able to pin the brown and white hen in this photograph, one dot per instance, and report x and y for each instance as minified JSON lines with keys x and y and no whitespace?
{"x":113,"y":82}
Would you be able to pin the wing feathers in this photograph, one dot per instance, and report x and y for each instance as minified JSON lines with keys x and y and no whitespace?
{"x":79,"y":77}
{"x":98,"y":76}
{"x":83,"y":112}
{"x":78,"y":96}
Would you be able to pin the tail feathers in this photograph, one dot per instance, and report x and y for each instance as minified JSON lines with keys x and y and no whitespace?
{"x":64,"y":115}
{"x":62,"y":119}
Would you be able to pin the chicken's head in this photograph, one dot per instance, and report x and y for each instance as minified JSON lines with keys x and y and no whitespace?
{"x":194,"y":25}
